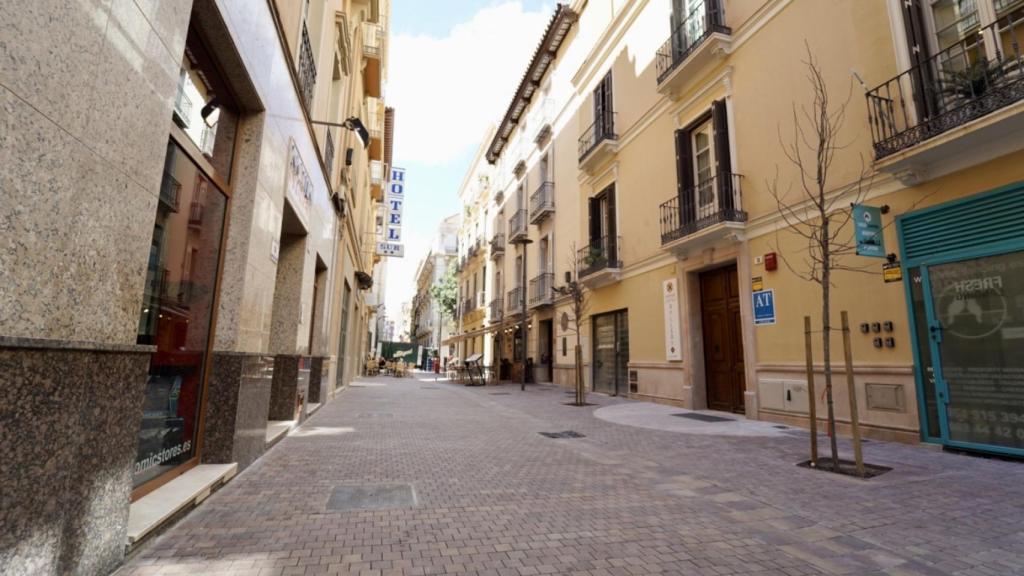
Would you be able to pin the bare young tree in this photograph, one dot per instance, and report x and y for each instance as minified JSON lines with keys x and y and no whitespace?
{"x":819,"y":214}
{"x":578,"y":294}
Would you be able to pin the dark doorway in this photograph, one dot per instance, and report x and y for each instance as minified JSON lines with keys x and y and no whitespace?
{"x":611,"y":353}
{"x":546,"y":345}
{"x":723,"y":344}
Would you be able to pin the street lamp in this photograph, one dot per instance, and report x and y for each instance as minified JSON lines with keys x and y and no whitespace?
{"x":524,"y":241}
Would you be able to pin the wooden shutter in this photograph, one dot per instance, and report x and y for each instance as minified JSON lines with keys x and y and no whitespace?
{"x":594,"y":212}
{"x":723,"y":161}
{"x":684,"y":177}
{"x":917,"y":45}
{"x":612,"y":242}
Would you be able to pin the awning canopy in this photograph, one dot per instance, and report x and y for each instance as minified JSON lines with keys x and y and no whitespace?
{"x":474,"y":358}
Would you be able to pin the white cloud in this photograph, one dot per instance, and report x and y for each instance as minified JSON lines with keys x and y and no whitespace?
{"x":447,"y":90}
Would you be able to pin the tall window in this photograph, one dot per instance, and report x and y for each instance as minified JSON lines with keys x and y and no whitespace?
{"x":184,"y":259}
{"x":604,"y":115}
{"x":346,"y":295}
{"x":706,"y":183}
{"x":603,"y":248}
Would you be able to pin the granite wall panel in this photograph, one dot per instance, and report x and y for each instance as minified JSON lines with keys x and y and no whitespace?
{"x":237,"y":404}
{"x":69,"y":427}
{"x":283,"y":389}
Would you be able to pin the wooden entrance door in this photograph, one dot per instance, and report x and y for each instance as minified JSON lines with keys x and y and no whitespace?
{"x":723,"y":343}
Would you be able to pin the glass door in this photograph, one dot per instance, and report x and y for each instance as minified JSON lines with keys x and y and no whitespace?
{"x":975,"y":316}
{"x":611,"y":353}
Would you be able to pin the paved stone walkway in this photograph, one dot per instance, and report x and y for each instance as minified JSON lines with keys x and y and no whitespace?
{"x":495,"y":497}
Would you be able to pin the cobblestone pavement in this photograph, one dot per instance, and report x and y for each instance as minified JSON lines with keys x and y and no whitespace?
{"x":495,"y":497}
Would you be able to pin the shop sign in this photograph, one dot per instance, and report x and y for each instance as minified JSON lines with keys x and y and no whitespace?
{"x":868,"y":231}
{"x":391,"y":249}
{"x":764,"y":307}
{"x":392,"y":244}
{"x":756,"y":284}
{"x":298,"y":184}
{"x":275,"y":250}
{"x":892,"y":272}
{"x":670,"y":299}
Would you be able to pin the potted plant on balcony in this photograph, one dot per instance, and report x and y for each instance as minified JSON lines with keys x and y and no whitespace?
{"x":594,"y":257}
{"x":969,"y":82}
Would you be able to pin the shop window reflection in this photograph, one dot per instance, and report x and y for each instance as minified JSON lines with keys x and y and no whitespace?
{"x":176,"y":313}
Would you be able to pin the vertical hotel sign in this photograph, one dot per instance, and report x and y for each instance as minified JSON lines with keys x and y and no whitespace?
{"x":392,"y":243}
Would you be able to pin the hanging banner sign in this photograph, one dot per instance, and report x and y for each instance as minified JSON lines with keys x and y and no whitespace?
{"x":395,"y":200}
{"x":868,"y":231}
{"x":670,"y":297}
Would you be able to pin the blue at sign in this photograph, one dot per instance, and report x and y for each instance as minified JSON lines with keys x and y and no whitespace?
{"x":764,"y":307}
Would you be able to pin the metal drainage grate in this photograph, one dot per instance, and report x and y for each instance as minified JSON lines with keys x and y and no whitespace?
{"x":372,"y":497}
{"x":703,"y":417}
{"x":565,"y":434}
{"x":780,"y":427}
{"x":500,"y":393}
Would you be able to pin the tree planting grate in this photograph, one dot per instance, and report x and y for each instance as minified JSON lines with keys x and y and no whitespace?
{"x":565,"y":434}
{"x":372,"y":497}
{"x":703,"y":417}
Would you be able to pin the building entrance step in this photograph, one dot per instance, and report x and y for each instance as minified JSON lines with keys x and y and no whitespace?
{"x":191,"y":488}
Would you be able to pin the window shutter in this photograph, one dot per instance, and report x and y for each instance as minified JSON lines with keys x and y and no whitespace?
{"x":684,"y":177}
{"x":917,"y":45}
{"x":723,"y":168}
{"x":595,"y":220}
{"x":612,"y":242}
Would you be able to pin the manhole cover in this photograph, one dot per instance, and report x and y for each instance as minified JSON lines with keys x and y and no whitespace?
{"x":703,"y":417}
{"x":372,"y":497}
{"x":565,"y":434}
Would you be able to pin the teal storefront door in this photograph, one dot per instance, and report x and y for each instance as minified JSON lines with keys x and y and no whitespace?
{"x":964,"y":265}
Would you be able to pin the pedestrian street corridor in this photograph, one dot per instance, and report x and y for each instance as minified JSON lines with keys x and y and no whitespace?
{"x":416,"y":476}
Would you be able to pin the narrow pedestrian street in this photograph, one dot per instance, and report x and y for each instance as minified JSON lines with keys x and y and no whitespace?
{"x":412,"y":476}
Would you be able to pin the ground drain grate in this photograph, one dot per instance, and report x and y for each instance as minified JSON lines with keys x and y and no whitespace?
{"x":429,"y":388}
{"x":565,"y":434}
{"x":372,"y":497}
{"x":500,"y":393}
{"x":703,"y":417}
{"x":781,"y":427}
{"x":375,"y":415}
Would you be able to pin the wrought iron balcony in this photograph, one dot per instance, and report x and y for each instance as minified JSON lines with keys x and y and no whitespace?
{"x":600,"y":132}
{"x":497,"y":244}
{"x":170,"y":192}
{"x":496,"y":310}
{"x":307,"y":69}
{"x":979,"y":75}
{"x":688,"y":34}
{"x":711,"y":202}
{"x":195,"y":215}
{"x":517,"y":225}
{"x":600,"y":254}
{"x":515,"y":300}
{"x":182,"y":105}
{"x":329,"y":154}
{"x":542,"y":289}
{"x":542,"y":202}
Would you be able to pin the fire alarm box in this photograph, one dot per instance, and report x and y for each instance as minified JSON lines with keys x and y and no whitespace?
{"x":771,"y":261}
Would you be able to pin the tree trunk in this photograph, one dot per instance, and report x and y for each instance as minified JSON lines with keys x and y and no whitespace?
{"x":826,"y":335}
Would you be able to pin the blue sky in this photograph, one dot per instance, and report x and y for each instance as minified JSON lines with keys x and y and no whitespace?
{"x":452,"y":70}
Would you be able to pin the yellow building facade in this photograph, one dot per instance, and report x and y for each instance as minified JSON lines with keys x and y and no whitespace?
{"x":644,"y":150}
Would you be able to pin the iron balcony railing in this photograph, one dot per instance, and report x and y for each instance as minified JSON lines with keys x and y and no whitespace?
{"x":307,"y":69}
{"x":373,"y":35}
{"x":517,"y":225}
{"x":195,"y":214}
{"x":329,"y":154}
{"x":602,"y":253}
{"x":497,"y":244}
{"x":182,"y":104}
{"x":601,"y":130}
{"x":515,"y":300}
{"x":496,"y":309}
{"x":711,"y":202}
{"x":170,"y":192}
{"x":542,"y":202}
{"x":688,"y":34}
{"x":542,"y":289}
{"x":975,"y":77}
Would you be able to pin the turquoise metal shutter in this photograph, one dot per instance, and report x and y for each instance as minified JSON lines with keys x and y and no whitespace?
{"x":963,"y":226}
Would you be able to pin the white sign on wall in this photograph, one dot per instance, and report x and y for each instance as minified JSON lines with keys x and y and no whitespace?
{"x":395,"y":199}
{"x":298,"y":184}
{"x":673,"y":337}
